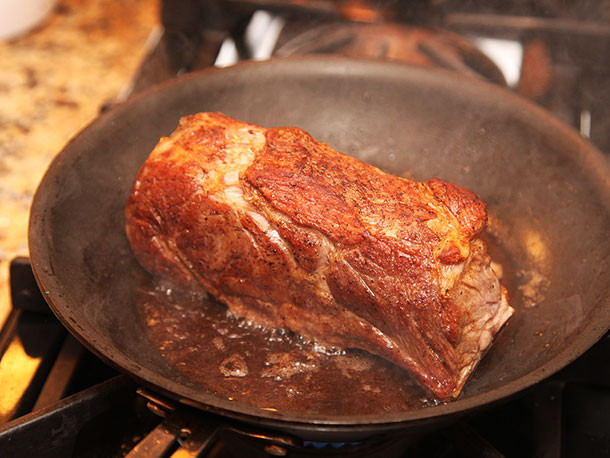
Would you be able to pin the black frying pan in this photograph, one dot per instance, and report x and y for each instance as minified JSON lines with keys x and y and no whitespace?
{"x":548,"y":193}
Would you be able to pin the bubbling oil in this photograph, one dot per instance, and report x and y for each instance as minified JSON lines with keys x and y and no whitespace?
{"x":269,"y":369}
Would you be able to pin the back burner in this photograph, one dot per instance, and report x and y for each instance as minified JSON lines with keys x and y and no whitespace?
{"x":552,"y":52}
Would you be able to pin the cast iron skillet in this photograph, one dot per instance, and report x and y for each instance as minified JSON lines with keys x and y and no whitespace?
{"x":548,"y":193}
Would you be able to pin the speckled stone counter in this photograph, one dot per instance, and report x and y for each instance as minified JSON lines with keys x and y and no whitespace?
{"x":52,"y":83}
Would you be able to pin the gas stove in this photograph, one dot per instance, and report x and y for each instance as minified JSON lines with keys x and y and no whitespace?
{"x":60,"y":400}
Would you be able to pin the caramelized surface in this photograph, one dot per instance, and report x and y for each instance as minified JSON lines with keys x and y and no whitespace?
{"x":292,"y":234}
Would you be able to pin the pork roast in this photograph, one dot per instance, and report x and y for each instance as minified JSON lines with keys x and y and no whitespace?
{"x":289,"y":233}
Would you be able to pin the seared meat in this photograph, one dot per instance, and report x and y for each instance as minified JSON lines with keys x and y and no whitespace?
{"x":292,"y":234}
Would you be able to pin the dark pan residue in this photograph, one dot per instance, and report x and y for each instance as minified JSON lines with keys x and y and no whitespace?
{"x":271,"y":370}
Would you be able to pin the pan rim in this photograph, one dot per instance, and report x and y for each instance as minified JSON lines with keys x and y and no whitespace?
{"x":601,"y":313}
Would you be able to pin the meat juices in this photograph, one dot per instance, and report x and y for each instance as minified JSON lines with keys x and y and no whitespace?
{"x":292,"y":234}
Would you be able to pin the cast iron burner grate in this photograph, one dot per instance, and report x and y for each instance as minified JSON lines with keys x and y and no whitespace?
{"x":72,"y":404}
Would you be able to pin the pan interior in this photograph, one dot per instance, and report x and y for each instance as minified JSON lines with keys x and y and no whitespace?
{"x":548,"y":228}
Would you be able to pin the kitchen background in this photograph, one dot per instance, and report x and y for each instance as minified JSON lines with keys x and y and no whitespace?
{"x":53,"y":82}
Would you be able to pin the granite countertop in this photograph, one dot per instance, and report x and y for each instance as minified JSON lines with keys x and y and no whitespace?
{"x":53,"y":82}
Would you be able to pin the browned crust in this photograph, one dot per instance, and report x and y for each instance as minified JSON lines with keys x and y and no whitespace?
{"x":378,"y":242}
{"x":470,"y":211}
